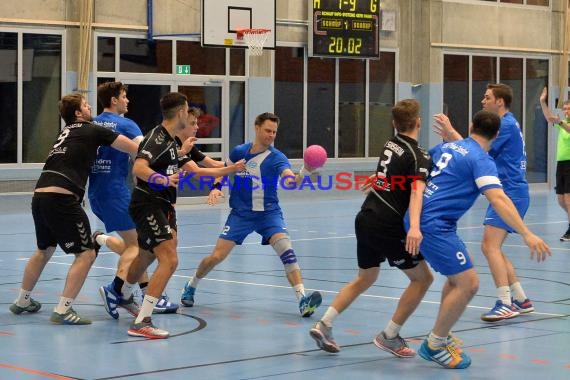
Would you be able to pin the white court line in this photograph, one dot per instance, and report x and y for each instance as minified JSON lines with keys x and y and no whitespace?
{"x":213,"y":245}
{"x":320,"y":290}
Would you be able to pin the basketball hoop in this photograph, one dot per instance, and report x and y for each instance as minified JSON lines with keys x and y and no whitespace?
{"x":254,"y":38}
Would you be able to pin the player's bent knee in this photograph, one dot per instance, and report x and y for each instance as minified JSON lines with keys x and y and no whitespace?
{"x":87,"y":255}
{"x":284,"y":250}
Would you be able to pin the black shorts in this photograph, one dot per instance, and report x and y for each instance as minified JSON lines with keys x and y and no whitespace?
{"x":154,"y":223}
{"x":60,"y":220}
{"x":563,"y":177}
{"x":374,"y":246}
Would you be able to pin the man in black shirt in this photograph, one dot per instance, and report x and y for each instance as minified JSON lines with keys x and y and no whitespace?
{"x":398,"y":186}
{"x":59,"y":218}
{"x":152,"y":210}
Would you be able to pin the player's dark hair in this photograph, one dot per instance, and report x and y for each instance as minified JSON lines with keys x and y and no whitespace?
{"x":405,"y":114}
{"x":502,"y":91}
{"x":68,"y":105}
{"x":171,"y":103}
{"x":108,"y":90}
{"x":486,"y":124}
{"x":266,"y":116}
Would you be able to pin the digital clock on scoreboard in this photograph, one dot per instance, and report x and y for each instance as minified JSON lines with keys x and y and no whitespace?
{"x":344,"y":28}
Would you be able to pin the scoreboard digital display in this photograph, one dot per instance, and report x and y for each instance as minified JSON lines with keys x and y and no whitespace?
{"x":344,"y":28}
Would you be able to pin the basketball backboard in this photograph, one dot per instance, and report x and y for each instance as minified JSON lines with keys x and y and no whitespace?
{"x":222,"y":18}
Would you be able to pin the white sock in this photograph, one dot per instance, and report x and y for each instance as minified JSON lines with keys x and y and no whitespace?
{"x":392,"y":330}
{"x":64,"y":305}
{"x":518,"y":292}
{"x":504,"y":294}
{"x":23,"y":299}
{"x":146,"y":308}
{"x":329,"y":316}
{"x":102,"y":239}
{"x":127,"y":290}
{"x":299,"y":291}
{"x":436,"y":341}
{"x":194,"y":281}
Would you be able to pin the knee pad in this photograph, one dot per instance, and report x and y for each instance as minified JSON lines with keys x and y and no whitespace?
{"x":286,"y":254}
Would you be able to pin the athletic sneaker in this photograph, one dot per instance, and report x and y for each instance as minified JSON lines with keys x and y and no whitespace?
{"x":308,"y":304}
{"x":147,"y":330}
{"x":446,"y":356}
{"x":96,"y":246}
{"x":523,"y":307}
{"x":397,"y":346}
{"x":130,"y":305}
{"x":33,"y":307}
{"x":500,"y":312}
{"x":110,"y":300}
{"x":164,"y":306}
{"x":187,"y":298}
{"x":324,"y":338}
{"x":69,"y":318}
{"x":454,"y":341}
{"x":566,"y":236}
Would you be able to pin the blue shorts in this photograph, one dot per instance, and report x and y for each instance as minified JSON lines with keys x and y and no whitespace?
{"x":113,"y":212}
{"x":445,"y":252}
{"x":493,"y":219}
{"x":240,"y":224}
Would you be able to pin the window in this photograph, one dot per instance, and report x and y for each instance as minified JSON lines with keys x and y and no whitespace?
{"x":321,"y":104}
{"x":202,"y":60}
{"x":536,"y":130}
{"x":289,"y":100}
{"x":9,"y":96}
{"x":526,"y":76}
{"x":456,"y":91}
{"x":39,"y":72}
{"x":381,"y":101}
{"x":144,"y":56}
{"x":355,"y":122}
{"x":351,"y":107}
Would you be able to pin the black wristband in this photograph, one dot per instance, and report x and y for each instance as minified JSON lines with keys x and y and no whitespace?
{"x":217,"y":185}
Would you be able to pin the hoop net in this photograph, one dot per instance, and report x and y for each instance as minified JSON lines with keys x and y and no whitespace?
{"x":254,"y":38}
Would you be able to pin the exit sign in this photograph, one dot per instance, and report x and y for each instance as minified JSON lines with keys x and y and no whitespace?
{"x":182,"y":69}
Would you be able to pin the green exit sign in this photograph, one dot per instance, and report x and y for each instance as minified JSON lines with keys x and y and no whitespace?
{"x":182,"y":69}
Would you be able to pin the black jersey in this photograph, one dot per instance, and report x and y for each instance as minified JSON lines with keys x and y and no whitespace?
{"x":401,"y":162}
{"x":160,"y":150}
{"x":69,"y":161}
{"x":194,"y":155}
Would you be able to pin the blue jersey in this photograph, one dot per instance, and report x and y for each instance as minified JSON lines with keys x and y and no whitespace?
{"x":510,"y":157}
{"x":111,"y":167}
{"x":255,"y":189}
{"x":462,"y":171}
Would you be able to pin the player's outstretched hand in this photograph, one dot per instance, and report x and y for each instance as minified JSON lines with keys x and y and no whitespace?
{"x":174,"y":178}
{"x":214,"y":195}
{"x":239,"y":166}
{"x":188,"y":144}
{"x":537,"y":247}
{"x":442,"y":126}
{"x":413,"y":241}
{"x":367,"y":186}
{"x":554,"y":119}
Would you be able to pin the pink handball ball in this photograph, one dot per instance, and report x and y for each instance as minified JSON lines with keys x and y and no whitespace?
{"x":315,"y":156}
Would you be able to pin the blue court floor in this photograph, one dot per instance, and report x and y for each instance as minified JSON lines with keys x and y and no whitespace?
{"x":246,"y":323}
